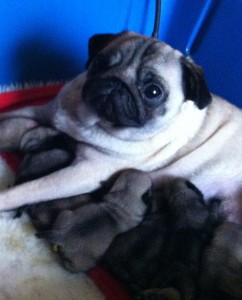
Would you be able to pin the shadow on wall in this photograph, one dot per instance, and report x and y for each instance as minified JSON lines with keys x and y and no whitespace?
{"x":38,"y":58}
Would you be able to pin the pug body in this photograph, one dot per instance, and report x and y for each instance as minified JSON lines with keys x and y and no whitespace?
{"x":161,"y":257}
{"x":140,"y":104}
{"x":82,"y":235}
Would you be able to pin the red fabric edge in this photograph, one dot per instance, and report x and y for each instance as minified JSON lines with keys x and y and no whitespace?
{"x":31,"y":96}
{"x":12,"y":159}
{"x":110,"y":287}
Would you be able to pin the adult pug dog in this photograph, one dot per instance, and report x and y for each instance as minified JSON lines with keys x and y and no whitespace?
{"x":140,"y":104}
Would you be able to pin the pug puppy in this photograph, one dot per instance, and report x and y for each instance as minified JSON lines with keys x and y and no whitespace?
{"x":161,"y":257}
{"x":44,"y":214}
{"x":36,"y":164}
{"x":82,"y":235}
{"x":49,"y":152}
{"x":222,"y":264}
{"x":140,"y":104}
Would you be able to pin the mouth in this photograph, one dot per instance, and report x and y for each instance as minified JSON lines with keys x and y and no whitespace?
{"x":113,"y":101}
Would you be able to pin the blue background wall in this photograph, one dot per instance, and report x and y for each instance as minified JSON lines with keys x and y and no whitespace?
{"x":47,"y":40}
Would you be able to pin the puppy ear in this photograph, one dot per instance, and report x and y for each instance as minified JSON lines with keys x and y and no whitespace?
{"x":96,"y":43}
{"x":194,"y":84}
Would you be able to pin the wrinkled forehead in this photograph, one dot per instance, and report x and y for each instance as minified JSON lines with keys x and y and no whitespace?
{"x":135,"y":48}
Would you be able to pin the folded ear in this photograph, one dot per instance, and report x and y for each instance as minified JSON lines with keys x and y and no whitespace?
{"x":194,"y":84}
{"x":96,"y":43}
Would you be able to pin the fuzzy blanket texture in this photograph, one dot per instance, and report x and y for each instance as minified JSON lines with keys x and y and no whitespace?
{"x":28,"y":269}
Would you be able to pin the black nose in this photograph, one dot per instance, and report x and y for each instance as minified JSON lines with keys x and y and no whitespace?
{"x":112,"y":100}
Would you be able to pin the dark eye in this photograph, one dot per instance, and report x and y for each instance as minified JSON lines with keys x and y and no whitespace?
{"x":152,"y":91}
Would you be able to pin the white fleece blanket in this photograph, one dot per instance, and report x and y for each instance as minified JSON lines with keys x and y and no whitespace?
{"x":28,"y":269}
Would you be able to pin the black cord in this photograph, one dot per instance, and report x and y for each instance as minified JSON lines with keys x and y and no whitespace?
{"x":156,"y":28}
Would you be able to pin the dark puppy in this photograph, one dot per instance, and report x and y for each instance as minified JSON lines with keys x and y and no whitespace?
{"x":160,"y":258}
{"x":82,"y":236}
{"x":44,"y":214}
{"x":222,"y":265}
{"x":45,"y":151}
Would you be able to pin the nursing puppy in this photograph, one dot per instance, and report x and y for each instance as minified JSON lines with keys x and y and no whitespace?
{"x":33,"y":166}
{"x":161,"y":257}
{"x":140,"y":104}
{"x":82,"y":235}
{"x":51,"y":152}
{"x":222,"y":265}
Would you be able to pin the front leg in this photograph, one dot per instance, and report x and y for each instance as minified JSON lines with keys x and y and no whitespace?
{"x":79,"y":178}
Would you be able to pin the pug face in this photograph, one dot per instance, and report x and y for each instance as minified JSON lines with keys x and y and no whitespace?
{"x":133,"y":80}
